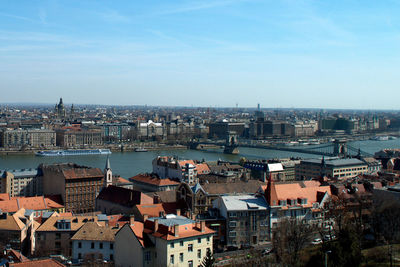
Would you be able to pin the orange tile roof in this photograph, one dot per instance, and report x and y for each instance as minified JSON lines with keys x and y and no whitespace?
{"x":148,"y":179}
{"x":182,"y":163}
{"x":35,"y":263}
{"x":202,"y":168}
{"x":153,"y":210}
{"x":121,"y":180}
{"x":4,"y":196}
{"x":29,"y":203}
{"x":185,"y":231}
{"x":76,"y":222}
{"x":12,"y":222}
{"x":295,"y":191}
{"x":137,"y":229}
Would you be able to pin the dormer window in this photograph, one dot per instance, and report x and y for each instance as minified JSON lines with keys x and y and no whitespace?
{"x":283,"y":202}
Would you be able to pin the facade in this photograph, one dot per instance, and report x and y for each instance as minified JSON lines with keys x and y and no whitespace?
{"x":334,"y":168}
{"x":116,"y":131}
{"x":93,"y":241}
{"x":246,"y":219}
{"x":150,"y":130}
{"x":77,"y":185}
{"x":221,"y":129}
{"x":182,"y":170}
{"x":30,"y":138}
{"x":76,"y":137}
{"x":23,"y":182}
{"x":163,"y":241}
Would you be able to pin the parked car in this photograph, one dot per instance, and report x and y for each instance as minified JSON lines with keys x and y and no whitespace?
{"x":316,"y":241}
{"x":266,"y":251}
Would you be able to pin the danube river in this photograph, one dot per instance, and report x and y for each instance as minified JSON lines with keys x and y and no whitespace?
{"x":128,"y":164}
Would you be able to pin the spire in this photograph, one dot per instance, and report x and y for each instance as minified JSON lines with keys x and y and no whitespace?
{"x":271,"y":195}
{"x":108,"y":165}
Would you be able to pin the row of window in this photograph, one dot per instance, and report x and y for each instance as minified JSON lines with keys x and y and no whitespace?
{"x":190,"y":246}
{"x":92,"y":245}
{"x":182,"y":259}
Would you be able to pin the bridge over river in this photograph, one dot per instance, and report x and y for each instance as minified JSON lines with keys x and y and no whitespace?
{"x":339,"y":147}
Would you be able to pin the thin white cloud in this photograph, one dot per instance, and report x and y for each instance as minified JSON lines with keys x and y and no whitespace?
{"x":16,"y":17}
{"x":43,"y":16}
{"x":198,"y":5}
{"x":114,"y":16}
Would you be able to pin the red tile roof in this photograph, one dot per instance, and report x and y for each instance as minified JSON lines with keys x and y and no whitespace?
{"x":153,"y":210}
{"x":29,"y":203}
{"x":153,"y":180}
{"x":41,"y":263}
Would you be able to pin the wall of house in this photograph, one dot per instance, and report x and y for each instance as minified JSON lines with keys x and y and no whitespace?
{"x":128,"y":251}
{"x":107,"y":250}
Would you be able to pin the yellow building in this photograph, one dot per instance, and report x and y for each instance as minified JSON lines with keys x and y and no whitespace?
{"x":171,"y":240}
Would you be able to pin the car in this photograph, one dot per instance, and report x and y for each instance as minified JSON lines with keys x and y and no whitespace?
{"x":329,"y":237}
{"x":266,"y":251}
{"x":316,"y":241}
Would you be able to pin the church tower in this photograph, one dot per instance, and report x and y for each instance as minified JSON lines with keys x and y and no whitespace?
{"x":107,"y":174}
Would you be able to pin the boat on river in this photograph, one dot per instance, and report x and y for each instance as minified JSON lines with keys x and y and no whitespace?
{"x":74,"y":152}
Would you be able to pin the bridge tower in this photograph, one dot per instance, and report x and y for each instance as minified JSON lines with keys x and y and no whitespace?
{"x":231,"y":144}
{"x":340,"y":147}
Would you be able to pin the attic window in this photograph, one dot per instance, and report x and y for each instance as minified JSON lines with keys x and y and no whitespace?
{"x":283,"y":202}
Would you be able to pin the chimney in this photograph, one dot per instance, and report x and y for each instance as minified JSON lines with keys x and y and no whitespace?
{"x":202,"y":226}
{"x":156,"y":199}
{"x":145,"y":217}
{"x":155,"y":225}
{"x":161,"y":214}
{"x":178,"y":212}
{"x":132,"y":219}
{"x":176,"y":230}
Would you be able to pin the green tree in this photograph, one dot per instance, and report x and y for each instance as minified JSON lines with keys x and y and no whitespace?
{"x":208,"y":260}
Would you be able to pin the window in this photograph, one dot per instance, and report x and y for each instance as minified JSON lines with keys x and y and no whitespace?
{"x":111,"y":246}
{"x":208,"y":239}
{"x":100,"y":245}
{"x":111,"y":257}
{"x":79,"y":245}
{"x":190,"y":247}
{"x":92,"y":245}
{"x":190,"y":263}
{"x":181,"y":243}
{"x":172,"y":244}
{"x":199,"y":240}
{"x":79,"y":256}
{"x":171,"y":259}
{"x":232,"y":224}
{"x":58,"y":236}
{"x":181,"y":257}
{"x":199,"y":253}
{"x":57,"y":244}
{"x":232,"y":234}
{"x":147,"y":256}
{"x":232,"y":214}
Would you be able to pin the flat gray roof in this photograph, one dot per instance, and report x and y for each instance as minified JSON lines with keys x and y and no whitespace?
{"x":172,"y":219}
{"x":336,"y":162}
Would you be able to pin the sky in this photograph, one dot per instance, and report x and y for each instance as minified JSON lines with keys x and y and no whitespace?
{"x":218,"y":53}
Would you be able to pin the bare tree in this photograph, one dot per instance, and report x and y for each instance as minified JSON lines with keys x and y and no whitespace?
{"x":290,"y":237}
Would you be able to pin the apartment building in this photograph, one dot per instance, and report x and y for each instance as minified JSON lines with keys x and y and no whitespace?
{"x":171,"y":240}
{"x":301,"y":200}
{"x":32,"y":138}
{"x":246,"y":219}
{"x":340,"y":169}
{"x":22,"y":182}
{"x":77,"y":185}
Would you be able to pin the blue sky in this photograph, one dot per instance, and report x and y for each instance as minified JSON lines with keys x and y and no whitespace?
{"x":292,"y":53}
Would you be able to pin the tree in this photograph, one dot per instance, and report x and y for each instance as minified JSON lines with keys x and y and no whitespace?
{"x":290,"y":237}
{"x":208,"y":260}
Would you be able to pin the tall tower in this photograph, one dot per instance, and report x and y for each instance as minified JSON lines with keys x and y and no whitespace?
{"x":107,"y":174}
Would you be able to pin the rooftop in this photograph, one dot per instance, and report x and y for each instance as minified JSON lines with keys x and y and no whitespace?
{"x":244,"y":202}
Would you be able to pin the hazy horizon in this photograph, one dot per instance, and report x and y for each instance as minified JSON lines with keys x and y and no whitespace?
{"x":219,"y":53}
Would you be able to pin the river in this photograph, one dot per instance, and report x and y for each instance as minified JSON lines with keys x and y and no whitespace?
{"x":128,"y":164}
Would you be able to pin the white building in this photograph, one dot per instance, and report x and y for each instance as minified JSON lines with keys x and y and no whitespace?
{"x":93,"y":241}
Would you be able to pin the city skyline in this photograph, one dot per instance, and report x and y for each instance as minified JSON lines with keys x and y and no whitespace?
{"x":282,"y":54}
